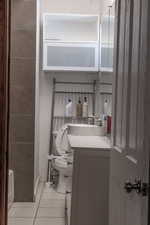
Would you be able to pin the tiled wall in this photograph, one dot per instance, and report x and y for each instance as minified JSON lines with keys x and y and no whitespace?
{"x":22,"y":97}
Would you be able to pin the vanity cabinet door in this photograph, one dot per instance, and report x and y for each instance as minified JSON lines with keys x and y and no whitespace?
{"x":90,"y":188}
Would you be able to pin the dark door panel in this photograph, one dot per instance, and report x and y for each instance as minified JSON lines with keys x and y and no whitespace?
{"x":131,"y":120}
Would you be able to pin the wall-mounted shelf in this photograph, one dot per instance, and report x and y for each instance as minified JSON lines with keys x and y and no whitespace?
{"x":62,"y":91}
{"x":75,"y":92}
{"x":71,"y":117}
{"x":104,"y":83}
{"x":106,"y":93}
{"x":105,"y":88}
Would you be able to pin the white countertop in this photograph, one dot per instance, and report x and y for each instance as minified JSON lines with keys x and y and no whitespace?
{"x":89,"y":142}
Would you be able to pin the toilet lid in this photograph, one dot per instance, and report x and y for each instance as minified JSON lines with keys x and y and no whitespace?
{"x":62,"y":144}
{"x":61,"y":163}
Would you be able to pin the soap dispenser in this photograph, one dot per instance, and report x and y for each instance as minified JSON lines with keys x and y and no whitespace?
{"x":106,"y":107}
{"x":85,"y":107}
{"x":69,"y":110}
{"x":79,"y":109}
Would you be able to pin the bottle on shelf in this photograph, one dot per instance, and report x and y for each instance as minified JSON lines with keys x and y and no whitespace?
{"x":85,"y":108}
{"x":107,"y":117}
{"x":109,"y":122}
{"x":105,"y":124}
{"x":106,"y":107}
{"x":69,"y":109}
{"x":79,"y":109}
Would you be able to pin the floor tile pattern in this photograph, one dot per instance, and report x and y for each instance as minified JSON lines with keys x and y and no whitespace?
{"x":48,"y":209}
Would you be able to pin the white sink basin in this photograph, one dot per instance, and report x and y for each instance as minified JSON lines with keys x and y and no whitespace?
{"x":85,"y":130}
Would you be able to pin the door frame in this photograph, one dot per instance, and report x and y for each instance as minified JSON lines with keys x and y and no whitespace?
{"x":4,"y":105}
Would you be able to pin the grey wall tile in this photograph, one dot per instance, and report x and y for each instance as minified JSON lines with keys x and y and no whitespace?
{"x":22,"y":72}
{"x":23,"y":14}
{"x":21,"y":128}
{"x":23,"y":166}
{"x":22,"y":99}
{"x":23,"y":44}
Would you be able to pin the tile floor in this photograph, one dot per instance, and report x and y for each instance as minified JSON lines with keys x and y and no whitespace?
{"x":49,"y":209}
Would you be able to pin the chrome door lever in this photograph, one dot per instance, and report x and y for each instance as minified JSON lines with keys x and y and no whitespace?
{"x":129,"y":187}
{"x":138,"y":186}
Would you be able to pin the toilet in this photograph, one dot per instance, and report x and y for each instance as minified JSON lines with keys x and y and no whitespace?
{"x":63,"y":159}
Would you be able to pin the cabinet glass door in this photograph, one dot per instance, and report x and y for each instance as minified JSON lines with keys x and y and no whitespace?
{"x":64,"y":56}
{"x":106,"y":58}
{"x":107,"y":41}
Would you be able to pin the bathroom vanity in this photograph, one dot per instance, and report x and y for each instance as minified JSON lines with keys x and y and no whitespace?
{"x":87,"y":204}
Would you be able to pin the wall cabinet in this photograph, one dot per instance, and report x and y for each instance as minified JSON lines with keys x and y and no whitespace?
{"x":70,"y":42}
{"x":77,"y":42}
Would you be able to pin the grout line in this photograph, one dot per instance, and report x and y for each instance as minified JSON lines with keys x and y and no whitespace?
{"x":38,"y":203}
{"x":38,"y":206}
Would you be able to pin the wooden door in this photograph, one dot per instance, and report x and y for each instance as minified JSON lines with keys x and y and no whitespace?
{"x":131,"y":114}
{"x":4,"y":71}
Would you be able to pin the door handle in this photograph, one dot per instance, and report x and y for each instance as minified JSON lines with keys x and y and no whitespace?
{"x":129,"y":187}
{"x":138,"y":186}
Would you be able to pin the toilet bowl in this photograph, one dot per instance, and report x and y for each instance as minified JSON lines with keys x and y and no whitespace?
{"x":65,"y":171}
{"x":63,"y":161}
